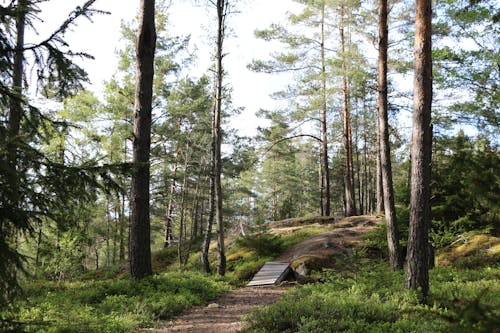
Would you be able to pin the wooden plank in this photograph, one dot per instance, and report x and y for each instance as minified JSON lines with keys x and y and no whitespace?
{"x":271,"y":273}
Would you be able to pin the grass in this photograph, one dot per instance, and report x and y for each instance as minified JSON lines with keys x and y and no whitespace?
{"x":111,"y":305}
{"x":362,"y":294}
{"x":369,"y":297}
{"x":359,"y":294}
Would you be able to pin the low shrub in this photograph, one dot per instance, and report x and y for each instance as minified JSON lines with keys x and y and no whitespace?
{"x":374,"y":299}
{"x":263,"y":244}
{"x":112,"y":305}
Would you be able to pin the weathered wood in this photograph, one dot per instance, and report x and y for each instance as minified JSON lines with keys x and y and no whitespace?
{"x":271,"y":273}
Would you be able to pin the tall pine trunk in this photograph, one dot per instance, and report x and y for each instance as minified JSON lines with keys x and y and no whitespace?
{"x":221,"y":15}
{"x":350,"y":201}
{"x":395,"y":258}
{"x":324,"y":140}
{"x":140,"y":238}
{"x":417,"y":275}
{"x":215,"y":200}
{"x":16,"y":108}
{"x":379,"y":197}
{"x":168,"y":234}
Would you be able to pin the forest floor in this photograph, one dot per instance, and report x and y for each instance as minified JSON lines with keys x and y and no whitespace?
{"x":225,"y":314}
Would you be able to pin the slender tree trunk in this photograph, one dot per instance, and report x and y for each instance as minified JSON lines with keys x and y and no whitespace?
{"x":16,"y":106}
{"x":195,"y":212}
{"x":182,"y":230}
{"x":211,"y":200}
{"x":38,"y":247}
{"x":215,"y":200}
{"x":140,"y":238}
{"x":324,"y":141}
{"x":379,"y":191}
{"x":222,"y":6}
{"x":321,"y":182}
{"x":108,"y":233}
{"x":395,"y":258}
{"x":421,"y":150}
{"x":116,"y":220}
{"x":357,"y":172}
{"x":167,"y":239}
{"x":96,"y":253}
{"x":350,"y":201}
{"x":121,"y":217}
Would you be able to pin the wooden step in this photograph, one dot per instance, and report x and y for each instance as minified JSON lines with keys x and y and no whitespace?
{"x":272,"y":272}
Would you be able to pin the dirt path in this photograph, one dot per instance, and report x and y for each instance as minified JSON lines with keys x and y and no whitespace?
{"x":225,"y":315}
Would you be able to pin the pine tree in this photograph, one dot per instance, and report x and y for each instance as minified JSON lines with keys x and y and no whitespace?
{"x":417,"y":274}
{"x":140,"y":244}
{"x":395,"y":256}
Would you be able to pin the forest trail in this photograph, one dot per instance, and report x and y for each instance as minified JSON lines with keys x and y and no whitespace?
{"x":225,"y":315}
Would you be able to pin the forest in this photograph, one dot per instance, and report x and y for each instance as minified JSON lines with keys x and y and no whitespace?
{"x":123,"y":209}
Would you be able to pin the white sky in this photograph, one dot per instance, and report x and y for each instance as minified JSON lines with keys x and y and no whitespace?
{"x":101,"y":38}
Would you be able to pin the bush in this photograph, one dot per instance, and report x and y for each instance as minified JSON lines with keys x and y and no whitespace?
{"x":375,"y":300}
{"x":264,"y":245}
{"x":112,"y":305}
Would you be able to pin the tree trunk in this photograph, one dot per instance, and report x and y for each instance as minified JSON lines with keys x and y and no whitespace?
{"x":108,"y":233}
{"x":16,"y":106}
{"x":182,"y":230}
{"x":379,"y":191}
{"x":350,"y":201}
{"x":222,"y":6}
{"x":121,"y":217}
{"x":167,"y":238}
{"x":357,"y":173}
{"x":395,"y":258}
{"x":324,"y":139}
{"x":215,"y":200}
{"x":140,"y":247}
{"x":417,"y":276}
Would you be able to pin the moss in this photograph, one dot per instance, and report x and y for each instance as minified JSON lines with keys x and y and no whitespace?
{"x":242,"y":253}
{"x":471,"y":250}
{"x":300,"y":221}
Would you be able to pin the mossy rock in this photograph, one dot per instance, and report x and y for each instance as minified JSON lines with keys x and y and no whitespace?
{"x":305,"y":266}
{"x":471,"y":250}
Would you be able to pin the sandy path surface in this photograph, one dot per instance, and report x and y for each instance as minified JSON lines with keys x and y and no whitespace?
{"x":226,"y":316}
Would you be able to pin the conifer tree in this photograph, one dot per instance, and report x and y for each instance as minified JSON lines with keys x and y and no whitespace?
{"x":417,"y":273}
{"x":140,"y":237}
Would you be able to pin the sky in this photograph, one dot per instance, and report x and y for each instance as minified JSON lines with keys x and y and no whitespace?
{"x":101,"y":38}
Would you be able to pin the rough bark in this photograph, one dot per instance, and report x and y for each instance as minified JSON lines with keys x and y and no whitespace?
{"x":395,"y":258}
{"x":324,"y":151}
{"x":140,"y":247}
{"x":215,"y":199}
{"x":221,"y":15}
{"x":417,"y":276}
{"x":350,"y":201}
{"x":16,"y":105}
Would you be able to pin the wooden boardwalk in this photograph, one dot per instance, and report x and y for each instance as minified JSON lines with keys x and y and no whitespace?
{"x":271,"y":273}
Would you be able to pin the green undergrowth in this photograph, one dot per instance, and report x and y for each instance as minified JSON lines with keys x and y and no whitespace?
{"x":110,"y":305}
{"x":362,"y":294}
{"x":370,"y":297}
{"x":248,"y":254}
